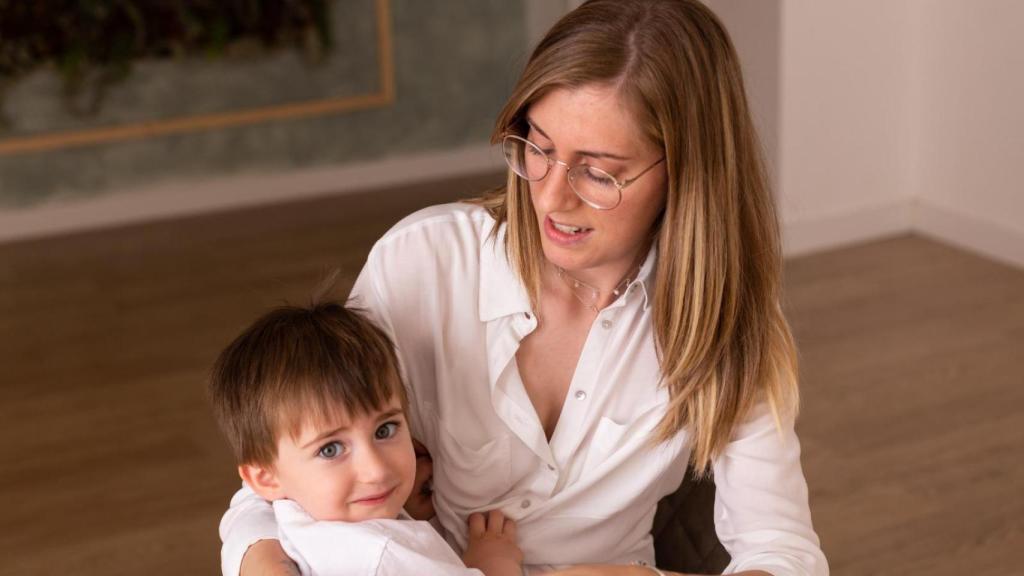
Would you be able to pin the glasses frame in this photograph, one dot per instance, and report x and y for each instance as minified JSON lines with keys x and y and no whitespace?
{"x":572,"y":172}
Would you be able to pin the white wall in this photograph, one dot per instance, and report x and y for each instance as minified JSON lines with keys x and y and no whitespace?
{"x":968,"y":123}
{"x":843,"y":121}
{"x":902,"y":116}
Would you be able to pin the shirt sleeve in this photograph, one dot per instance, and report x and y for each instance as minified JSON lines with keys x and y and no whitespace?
{"x":399,"y":561}
{"x":370,"y":295}
{"x":249,"y":519}
{"x":762,"y":514}
{"x":328,"y":548}
{"x":366,"y":294}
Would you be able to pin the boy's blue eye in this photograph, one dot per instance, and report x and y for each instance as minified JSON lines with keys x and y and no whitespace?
{"x":386,"y":430}
{"x":330,"y":450}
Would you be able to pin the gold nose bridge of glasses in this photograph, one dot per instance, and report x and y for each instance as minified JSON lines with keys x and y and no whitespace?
{"x":569,"y":174}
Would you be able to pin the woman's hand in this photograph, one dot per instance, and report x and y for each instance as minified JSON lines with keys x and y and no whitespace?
{"x":492,"y":545}
{"x":267,"y":558}
{"x":420,"y":504}
{"x":618,"y":570}
{"x":608,"y":570}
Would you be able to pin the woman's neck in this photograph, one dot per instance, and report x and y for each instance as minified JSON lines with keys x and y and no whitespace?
{"x":594,"y":289}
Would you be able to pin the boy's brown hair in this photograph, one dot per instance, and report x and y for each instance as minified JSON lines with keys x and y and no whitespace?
{"x":296,"y":364}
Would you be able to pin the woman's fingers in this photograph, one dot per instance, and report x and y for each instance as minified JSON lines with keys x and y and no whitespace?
{"x":424,"y":474}
{"x":477,"y":525}
{"x":420,"y":505}
{"x":510,"y":528}
{"x":495,"y":522}
{"x":420,"y":449}
{"x":424,"y":468}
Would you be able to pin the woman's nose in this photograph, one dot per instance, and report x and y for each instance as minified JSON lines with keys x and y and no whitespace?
{"x":553,"y":193}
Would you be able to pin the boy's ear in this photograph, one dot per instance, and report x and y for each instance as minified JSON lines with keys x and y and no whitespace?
{"x":262,"y":480}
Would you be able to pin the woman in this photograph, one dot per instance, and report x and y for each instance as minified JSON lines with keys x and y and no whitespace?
{"x":575,"y":339}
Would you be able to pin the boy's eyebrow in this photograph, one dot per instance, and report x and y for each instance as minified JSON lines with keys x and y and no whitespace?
{"x":389,"y":414}
{"x":327,"y":434}
{"x":383,"y":416}
{"x":588,"y":153}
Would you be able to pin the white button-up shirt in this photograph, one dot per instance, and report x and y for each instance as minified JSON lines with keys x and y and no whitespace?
{"x":441,"y":286}
{"x":371,"y":548}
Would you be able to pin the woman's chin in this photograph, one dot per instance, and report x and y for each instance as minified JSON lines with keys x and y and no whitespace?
{"x":558,"y":257}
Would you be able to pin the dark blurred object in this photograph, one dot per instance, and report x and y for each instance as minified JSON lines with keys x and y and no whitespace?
{"x":684,"y":529}
{"x":94,"y":42}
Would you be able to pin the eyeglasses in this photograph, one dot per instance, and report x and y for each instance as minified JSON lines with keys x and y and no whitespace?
{"x":597,"y":188}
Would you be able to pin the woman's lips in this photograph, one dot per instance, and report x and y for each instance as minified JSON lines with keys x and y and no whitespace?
{"x":564,"y":238}
{"x":375,"y":499}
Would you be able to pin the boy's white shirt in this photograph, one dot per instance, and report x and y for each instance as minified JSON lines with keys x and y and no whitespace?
{"x":369,"y":548}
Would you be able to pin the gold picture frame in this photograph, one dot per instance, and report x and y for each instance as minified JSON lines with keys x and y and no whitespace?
{"x":384,"y":96}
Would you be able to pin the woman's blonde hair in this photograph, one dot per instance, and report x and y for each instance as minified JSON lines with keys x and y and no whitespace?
{"x":723,"y":343}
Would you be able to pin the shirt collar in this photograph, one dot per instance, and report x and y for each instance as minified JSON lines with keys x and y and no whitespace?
{"x":501,"y":291}
{"x":645,"y":278}
{"x":644,"y":281}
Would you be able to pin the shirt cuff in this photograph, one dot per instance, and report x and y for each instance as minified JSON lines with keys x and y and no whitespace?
{"x":249,"y":520}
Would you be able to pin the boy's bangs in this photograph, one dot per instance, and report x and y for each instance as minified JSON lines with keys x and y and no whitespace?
{"x":323,"y":403}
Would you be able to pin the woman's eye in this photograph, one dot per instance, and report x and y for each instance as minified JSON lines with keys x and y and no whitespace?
{"x":330,"y":450}
{"x":385,"y":431}
{"x":599,"y":178}
{"x":534,"y":151}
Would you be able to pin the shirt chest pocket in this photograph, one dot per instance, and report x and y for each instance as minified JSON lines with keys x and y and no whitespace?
{"x":620,"y":469}
{"x":470,"y":475}
{"x":620,"y":436}
{"x":607,"y":437}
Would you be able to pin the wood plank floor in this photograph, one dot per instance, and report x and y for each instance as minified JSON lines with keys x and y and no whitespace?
{"x":913,"y":416}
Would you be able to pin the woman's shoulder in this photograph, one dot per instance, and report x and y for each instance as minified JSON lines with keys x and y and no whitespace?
{"x":442,"y":221}
{"x":445,"y":239}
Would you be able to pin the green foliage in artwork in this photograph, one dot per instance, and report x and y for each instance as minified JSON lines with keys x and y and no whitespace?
{"x":93,"y":43}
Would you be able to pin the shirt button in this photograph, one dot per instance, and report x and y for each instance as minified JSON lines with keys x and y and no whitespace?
{"x":527,"y":314}
{"x":524,"y":504}
{"x":606,"y":324}
{"x":581,"y":395}
{"x":550,"y":467}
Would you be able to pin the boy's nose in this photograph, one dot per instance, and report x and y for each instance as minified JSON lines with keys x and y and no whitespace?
{"x":372,"y":465}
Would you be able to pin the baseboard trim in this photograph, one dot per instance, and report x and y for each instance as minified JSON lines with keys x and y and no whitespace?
{"x":971,"y":233}
{"x":807,"y":236}
{"x":186,"y":198}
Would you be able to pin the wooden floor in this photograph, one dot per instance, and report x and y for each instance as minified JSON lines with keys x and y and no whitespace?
{"x":913,"y":416}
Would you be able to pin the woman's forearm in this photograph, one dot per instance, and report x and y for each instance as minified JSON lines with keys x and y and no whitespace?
{"x":619,"y":570}
{"x":744,"y":573}
{"x":267,"y":558}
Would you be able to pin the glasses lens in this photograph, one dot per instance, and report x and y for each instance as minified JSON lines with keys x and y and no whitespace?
{"x":525,"y":158}
{"x":595,"y":186}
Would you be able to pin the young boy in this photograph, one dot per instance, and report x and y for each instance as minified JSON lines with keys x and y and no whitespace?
{"x":313,"y":405}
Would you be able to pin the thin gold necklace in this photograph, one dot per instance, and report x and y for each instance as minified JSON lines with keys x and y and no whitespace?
{"x":587,"y":294}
